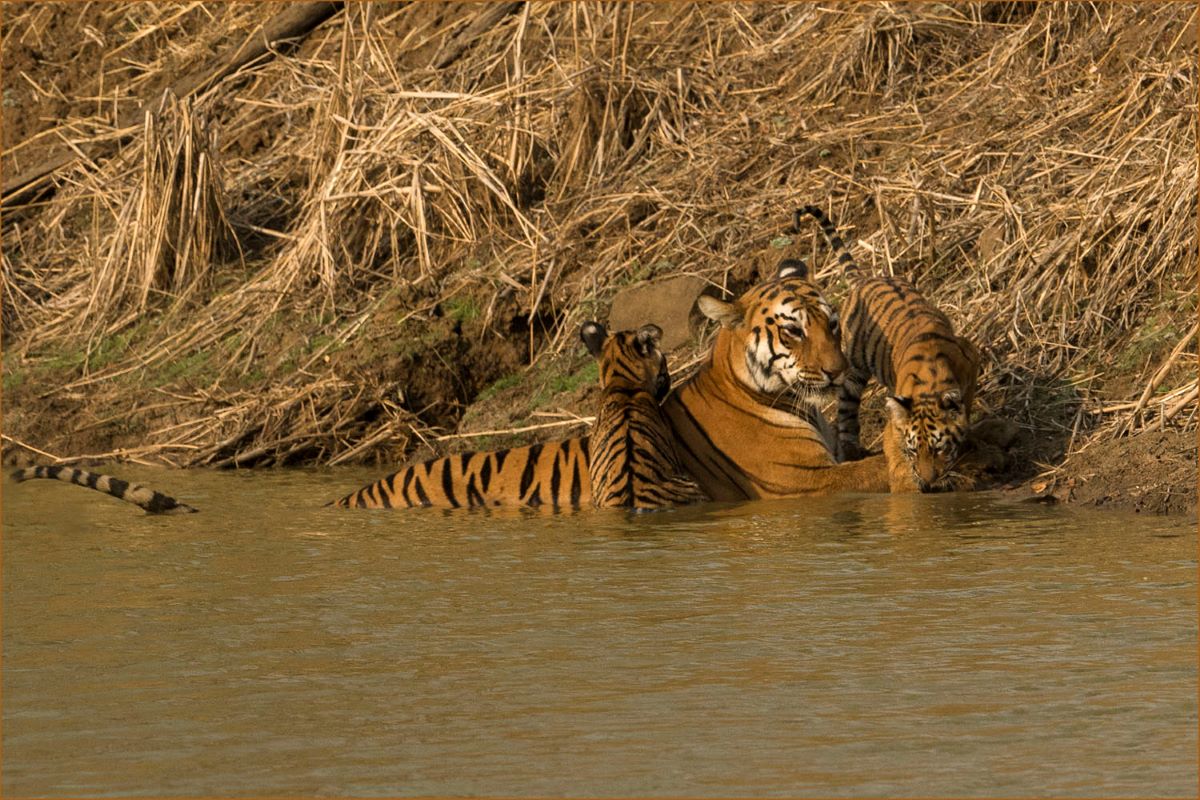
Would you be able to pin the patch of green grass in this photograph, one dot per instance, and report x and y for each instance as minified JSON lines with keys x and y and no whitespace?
{"x":588,"y":373}
{"x":111,"y":349}
{"x":416,"y":336}
{"x":100,"y":354}
{"x":485,"y":444}
{"x":64,"y":360}
{"x":637,"y":271}
{"x":108,"y":350}
{"x":557,"y":384}
{"x":506,"y":382}
{"x":1153,"y":338}
{"x":319,"y":341}
{"x":591,"y":308}
{"x":13,"y":378}
{"x":780,"y":242}
{"x":463,"y":309}
{"x":252,"y":377}
{"x":194,"y":366}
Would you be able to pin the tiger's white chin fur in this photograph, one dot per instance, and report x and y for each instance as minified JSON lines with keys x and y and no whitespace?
{"x":798,"y":388}
{"x":814,"y":393}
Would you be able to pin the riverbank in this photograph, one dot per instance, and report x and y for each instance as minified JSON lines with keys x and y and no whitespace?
{"x":378,"y":243}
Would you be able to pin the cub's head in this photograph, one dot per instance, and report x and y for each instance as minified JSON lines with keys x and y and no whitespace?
{"x":788,"y":332}
{"x":931,"y":428}
{"x":629,"y":359}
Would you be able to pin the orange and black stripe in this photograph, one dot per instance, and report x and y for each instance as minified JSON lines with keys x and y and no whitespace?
{"x":744,"y":426}
{"x":634,"y":463}
{"x":893,"y":334}
{"x":545,"y":474}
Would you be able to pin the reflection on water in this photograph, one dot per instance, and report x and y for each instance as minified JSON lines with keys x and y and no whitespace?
{"x":928,"y":645}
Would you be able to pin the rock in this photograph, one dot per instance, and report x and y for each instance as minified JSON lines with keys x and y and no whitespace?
{"x":667,"y":302}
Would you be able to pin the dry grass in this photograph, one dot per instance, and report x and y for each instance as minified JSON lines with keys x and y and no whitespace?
{"x":1032,"y":167}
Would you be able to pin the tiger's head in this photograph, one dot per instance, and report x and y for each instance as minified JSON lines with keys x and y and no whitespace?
{"x":629,"y":359}
{"x":931,"y":427}
{"x":789,"y":334}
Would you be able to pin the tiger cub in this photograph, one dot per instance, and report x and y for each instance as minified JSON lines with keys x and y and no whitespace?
{"x":633,"y":462}
{"x":896,"y":336}
{"x":150,"y":501}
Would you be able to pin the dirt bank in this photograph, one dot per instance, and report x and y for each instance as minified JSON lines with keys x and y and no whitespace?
{"x":1153,"y":472}
{"x":394,"y":227}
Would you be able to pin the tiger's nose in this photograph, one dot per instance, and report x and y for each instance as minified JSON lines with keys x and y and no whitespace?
{"x":831,"y":376}
{"x":926,"y":476}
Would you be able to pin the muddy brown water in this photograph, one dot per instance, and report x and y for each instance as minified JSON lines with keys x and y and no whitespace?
{"x":936,"y":645}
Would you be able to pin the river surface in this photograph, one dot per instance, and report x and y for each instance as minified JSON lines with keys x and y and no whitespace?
{"x":857,"y":645}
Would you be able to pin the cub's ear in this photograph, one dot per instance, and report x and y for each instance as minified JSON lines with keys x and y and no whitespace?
{"x":792,"y":268}
{"x":593,"y":336}
{"x":648,"y":338}
{"x":952,"y":400}
{"x":899,"y":409}
{"x":719,"y":311}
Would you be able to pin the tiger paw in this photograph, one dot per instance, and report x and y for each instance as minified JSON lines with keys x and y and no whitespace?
{"x":901,"y":479}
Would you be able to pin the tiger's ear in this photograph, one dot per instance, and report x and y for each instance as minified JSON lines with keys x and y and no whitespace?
{"x":899,"y":409}
{"x":649,"y":336}
{"x":792,"y":268}
{"x":593,"y":336}
{"x":719,"y":311}
{"x":952,"y":400}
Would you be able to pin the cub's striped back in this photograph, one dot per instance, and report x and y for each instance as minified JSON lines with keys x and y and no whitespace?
{"x":147,"y":499}
{"x":896,"y":336}
{"x":634,"y":463}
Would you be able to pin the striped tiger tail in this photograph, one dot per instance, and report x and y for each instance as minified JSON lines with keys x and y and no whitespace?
{"x":831,"y":235}
{"x":149,"y":500}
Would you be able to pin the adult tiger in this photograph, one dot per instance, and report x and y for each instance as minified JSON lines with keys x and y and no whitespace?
{"x":895,"y":335}
{"x":551,"y":473}
{"x":150,"y":501}
{"x":745,"y":424}
{"x":633,"y":460}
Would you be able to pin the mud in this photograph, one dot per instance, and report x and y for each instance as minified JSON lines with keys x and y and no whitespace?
{"x":1153,"y":472}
